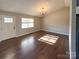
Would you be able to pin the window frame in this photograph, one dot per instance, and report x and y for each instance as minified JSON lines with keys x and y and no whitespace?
{"x":27,"y":22}
{"x":8,"y":17}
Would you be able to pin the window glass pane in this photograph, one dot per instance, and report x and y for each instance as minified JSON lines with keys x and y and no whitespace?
{"x":5,"y":19}
{"x":8,"y":20}
{"x":31,"y":25}
{"x":24,"y":26}
{"x":27,"y":22}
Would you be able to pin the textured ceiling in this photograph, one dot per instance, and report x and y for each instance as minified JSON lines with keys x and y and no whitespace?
{"x":32,"y":7}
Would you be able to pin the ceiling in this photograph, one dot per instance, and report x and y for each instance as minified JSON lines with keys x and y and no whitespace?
{"x":32,"y":7}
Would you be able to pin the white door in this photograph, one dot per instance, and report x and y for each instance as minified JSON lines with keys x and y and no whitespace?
{"x":8,"y":27}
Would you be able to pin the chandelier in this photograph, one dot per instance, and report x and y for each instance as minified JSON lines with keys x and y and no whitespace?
{"x":43,"y":12}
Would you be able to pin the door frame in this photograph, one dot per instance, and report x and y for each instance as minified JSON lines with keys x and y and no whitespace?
{"x":14,"y":24}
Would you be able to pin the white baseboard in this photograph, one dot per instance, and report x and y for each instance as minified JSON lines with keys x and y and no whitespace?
{"x":56,"y":32}
{"x":17,"y":35}
{"x":2,"y":39}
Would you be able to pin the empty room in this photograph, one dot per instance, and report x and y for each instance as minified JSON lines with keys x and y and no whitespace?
{"x":34,"y":29}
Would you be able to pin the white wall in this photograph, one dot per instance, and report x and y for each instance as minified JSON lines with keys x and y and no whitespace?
{"x":57,"y":22}
{"x":18,"y":30}
{"x":0,"y":28}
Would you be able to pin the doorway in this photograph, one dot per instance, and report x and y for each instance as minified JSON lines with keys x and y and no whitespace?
{"x":7,"y":27}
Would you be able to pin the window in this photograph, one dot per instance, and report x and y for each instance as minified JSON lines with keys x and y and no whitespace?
{"x":8,"y":20}
{"x":27,"y":22}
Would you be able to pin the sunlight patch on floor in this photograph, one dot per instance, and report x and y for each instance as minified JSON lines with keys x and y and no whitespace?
{"x":50,"y":39}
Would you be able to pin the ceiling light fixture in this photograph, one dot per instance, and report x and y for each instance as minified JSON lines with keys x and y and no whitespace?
{"x":43,"y":12}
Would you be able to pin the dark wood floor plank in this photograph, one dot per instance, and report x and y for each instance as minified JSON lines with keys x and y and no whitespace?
{"x":28,"y":47}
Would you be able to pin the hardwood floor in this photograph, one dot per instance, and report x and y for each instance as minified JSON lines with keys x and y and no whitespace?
{"x":28,"y":47}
